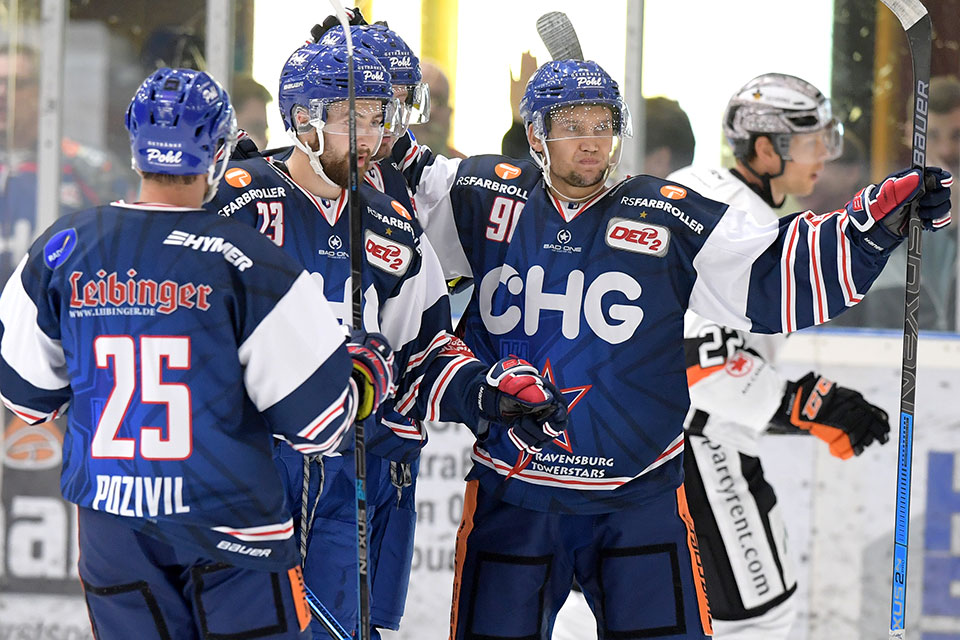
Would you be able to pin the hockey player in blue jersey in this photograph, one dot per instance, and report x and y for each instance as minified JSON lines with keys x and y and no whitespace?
{"x":301,"y":205}
{"x":590,"y":284}
{"x":181,"y":342}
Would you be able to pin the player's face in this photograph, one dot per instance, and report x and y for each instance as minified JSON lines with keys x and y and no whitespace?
{"x":943,"y":139}
{"x":810,"y":154}
{"x":335,"y":158}
{"x":579,"y":140}
{"x":386,"y":146}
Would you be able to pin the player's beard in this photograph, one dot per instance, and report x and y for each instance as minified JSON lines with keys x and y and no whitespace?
{"x":337,"y":168}
{"x":576,"y":179}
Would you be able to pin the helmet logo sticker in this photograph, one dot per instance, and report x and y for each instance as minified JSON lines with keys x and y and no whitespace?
{"x":168,"y":157}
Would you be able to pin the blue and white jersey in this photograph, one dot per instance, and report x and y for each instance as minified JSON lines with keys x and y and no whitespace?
{"x":181,"y":342}
{"x":404,"y":292}
{"x":594,"y":294}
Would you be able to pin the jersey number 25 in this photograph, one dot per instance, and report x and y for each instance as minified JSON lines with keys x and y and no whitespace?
{"x":120,"y":352}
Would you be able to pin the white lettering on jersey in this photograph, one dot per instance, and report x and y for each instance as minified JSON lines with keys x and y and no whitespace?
{"x":676,"y":212}
{"x":139,"y":496}
{"x":211,"y":244}
{"x":570,"y":303}
{"x":640,"y":237}
{"x":387,"y":255}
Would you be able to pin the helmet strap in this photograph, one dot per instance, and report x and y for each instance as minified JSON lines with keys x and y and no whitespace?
{"x":313,"y":156}
{"x":543,"y":161}
{"x":763,"y":189}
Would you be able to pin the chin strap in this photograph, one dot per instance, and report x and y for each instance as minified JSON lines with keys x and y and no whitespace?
{"x":764,"y":191}
{"x":313,"y":156}
{"x":543,"y":161}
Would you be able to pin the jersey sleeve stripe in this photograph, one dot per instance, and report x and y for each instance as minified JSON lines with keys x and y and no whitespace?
{"x":406,"y":431}
{"x":410,"y":397}
{"x":299,"y":331}
{"x":443,"y":381}
{"x":788,"y":282}
{"x":820,"y":306}
{"x":844,"y":267}
{"x":278,"y":531}
{"x":420,"y":357}
{"x":36,"y":357}
{"x":324,"y":419}
{"x":28,"y":415}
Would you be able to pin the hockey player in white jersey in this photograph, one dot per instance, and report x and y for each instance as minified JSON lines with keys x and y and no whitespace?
{"x":590,"y":284}
{"x":782,"y":133}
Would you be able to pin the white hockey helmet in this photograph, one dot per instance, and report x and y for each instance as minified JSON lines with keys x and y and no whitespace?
{"x":781,"y":106}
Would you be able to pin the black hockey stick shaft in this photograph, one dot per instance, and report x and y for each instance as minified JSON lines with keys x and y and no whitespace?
{"x":356,"y":263}
{"x":322,"y":615}
{"x":916,"y":22}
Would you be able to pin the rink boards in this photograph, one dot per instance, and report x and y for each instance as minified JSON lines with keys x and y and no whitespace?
{"x":839,"y":513}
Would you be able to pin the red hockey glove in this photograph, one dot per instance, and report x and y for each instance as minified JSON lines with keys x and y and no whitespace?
{"x":374,"y":370}
{"x":535,"y":430}
{"x":835,"y":414}
{"x":511,"y":391}
{"x":887,"y":202}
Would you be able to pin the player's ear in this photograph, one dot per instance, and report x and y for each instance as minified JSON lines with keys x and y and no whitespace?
{"x":766,"y":153}
{"x":532,"y":140}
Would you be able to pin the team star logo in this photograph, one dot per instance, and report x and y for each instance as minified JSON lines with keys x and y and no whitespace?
{"x":335,"y":242}
{"x":573,"y":395}
{"x":564,"y":236}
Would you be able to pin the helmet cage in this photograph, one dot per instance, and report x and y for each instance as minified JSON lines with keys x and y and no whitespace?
{"x":316,"y":119}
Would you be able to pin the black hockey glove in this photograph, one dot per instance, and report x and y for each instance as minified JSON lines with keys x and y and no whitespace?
{"x":374,"y":370}
{"x":887,"y":201}
{"x":355,"y":17}
{"x":835,"y":414}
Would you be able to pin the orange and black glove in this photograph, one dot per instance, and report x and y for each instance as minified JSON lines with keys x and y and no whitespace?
{"x":837,"y":415}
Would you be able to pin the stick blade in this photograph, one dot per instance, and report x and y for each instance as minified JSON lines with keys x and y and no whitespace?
{"x":559,"y":36}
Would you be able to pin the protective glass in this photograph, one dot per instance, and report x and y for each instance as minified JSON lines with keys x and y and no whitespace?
{"x":584,"y":121}
{"x":414,"y":106}
{"x":373,"y":117}
{"x":823,"y":145}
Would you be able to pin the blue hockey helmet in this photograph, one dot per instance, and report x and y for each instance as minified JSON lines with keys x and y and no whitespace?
{"x":316,"y":76}
{"x":561,"y":83}
{"x":397,"y":57}
{"x":177,"y":120}
{"x":551,"y":96}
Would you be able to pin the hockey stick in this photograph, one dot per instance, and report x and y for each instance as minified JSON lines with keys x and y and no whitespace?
{"x":559,"y":36}
{"x":356,"y":263}
{"x":916,"y":22}
{"x":324,"y":617}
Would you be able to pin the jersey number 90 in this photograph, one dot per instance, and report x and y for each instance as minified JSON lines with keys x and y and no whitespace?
{"x":118,"y":353}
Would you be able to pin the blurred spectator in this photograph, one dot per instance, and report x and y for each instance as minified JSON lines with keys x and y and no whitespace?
{"x":668,"y":137}
{"x":250,"y":99}
{"x":883,"y":308}
{"x":436,"y":132}
{"x":88,"y":176}
{"x":514,"y":143}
